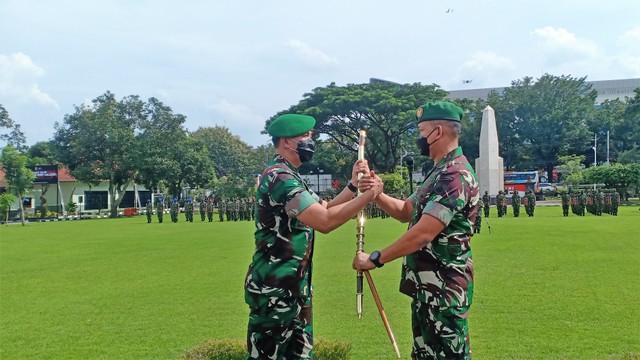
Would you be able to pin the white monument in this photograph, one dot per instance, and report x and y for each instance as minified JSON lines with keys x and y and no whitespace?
{"x":489,"y":168}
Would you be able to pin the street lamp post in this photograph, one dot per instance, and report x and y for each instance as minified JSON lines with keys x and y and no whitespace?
{"x":320,"y":171}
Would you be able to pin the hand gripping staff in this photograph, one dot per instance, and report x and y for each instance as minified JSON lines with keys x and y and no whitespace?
{"x":360,"y":248}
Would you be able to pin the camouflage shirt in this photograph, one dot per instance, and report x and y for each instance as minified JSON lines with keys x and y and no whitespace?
{"x":441,"y":273}
{"x":281,"y":264}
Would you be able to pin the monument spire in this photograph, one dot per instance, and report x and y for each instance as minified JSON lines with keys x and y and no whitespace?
{"x":489,"y":166}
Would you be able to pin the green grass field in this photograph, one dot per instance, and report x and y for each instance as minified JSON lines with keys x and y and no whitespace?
{"x":547,"y":287}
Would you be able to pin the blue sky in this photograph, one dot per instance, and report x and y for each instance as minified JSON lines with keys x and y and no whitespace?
{"x":236,"y":63}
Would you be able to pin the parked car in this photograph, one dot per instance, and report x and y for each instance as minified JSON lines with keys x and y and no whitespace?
{"x":546,"y":187}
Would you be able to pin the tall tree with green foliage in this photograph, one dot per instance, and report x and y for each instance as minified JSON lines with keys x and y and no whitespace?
{"x":18,"y":177}
{"x":161,"y":134}
{"x":386,"y":110}
{"x":539,"y":120}
{"x":6,"y":200}
{"x":98,"y":143}
{"x":10,"y":131}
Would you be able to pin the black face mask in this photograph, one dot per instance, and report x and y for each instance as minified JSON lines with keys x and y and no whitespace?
{"x":305,"y":150}
{"x":423,"y":144}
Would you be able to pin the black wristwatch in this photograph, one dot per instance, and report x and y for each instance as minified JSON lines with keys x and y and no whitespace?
{"x":352,"y":187}
{"x":375,"y":259}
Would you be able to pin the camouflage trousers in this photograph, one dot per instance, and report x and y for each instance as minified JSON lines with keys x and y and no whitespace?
{"x":280,"y":328}
{"x":439,"y":333}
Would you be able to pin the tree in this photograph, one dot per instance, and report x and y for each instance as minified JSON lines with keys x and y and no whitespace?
{"x":234,"y":161}
{"x":571,"y":169}
{"x":98,"y":143}
{"x":386,"y":110}
{"x":161,"y":134}
{"x":6,"y":200}
{"x":544,"y":119}
{"x":15,"y":137}
{"x":630,"y":156}
{"x":18,"y":177}
{"x":617,"y":176}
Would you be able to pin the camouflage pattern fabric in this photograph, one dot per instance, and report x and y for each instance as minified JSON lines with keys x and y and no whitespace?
{"x":280,"y":328}
{"x":160,"y":211}
{"x":440,"y":274}
{"x":515,"y":203}
{"x":203,"y":209}
{"x":149,"y":212}
{"x":440,"y":333}
{"x":280,"y":272}
{"x":486,"y":200}
{"x":565,"y":203}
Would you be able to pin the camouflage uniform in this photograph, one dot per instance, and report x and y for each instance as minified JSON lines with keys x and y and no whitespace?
{"x":175,"y":209}
{"x":210,"y":210}
{"x":439,"y":277}
{"x":477,"y":226}
{"x":188,"y":210}
{"x":203,"y":209}
{"x":531,"y":203}
{"x":515,"y":203}
{"x":149,"y":211}
{"x":160,"y":210}
{"x":499,"y":201}
{"x":278,"y":282}
{"x":486,"y":200}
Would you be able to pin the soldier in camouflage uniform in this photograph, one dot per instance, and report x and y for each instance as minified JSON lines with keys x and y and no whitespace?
{"x":210,"y":209}
{"x":515,"y":203}
{"x":531,"y":203}
{"x":437,"y":267}
{"x":188,"y":210}
{"x":477,"y":225}
{"x":174,"y":210}
{"x":499,"y":203}
{"x":203,"y":209}
{"x":278,"y":283}
{"x":149,"y":211}
{"x":486,"y":200}
{"x":222,"y":209}
{"x":160,"y":210}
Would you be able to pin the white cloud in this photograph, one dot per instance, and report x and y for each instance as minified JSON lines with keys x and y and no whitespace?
{"x":18,"y":80}
{"x":485,"y":68}
{"x":310,"y":54}
{"x":561,"y":40}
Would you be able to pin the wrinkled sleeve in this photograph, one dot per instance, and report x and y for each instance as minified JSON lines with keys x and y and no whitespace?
{"x":287,"y":190}
{"x":448,"y":196}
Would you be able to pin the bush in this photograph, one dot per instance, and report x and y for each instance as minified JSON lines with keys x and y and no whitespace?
{"x":236,"y":350}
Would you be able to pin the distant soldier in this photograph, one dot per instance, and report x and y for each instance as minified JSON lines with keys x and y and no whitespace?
{"x":565,"y":203}
{"x":477,"y":225}
{"x":486,"y":200}
{"x":242,"y":209}
{"x":174,"y":210}
{"x":203,"y":209}
{"x":222,"y":209}
{"x":149,"y":211}
{"x":236,"y":209}
{"x":599,"y":203}
{"x":499,"y":201}
{"x":188,"y":210}
{"x":582,"y":203}
{"x":515,"y":203}
{"x":615,"y":202}
{"x":160,"y":209}
{"x":210,"y":208}
{"x":229,"y":209}
{"x":531,"y":203}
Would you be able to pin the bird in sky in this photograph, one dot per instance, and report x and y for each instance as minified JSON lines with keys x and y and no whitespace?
{"x":467,"y":81}
{"x":449,"y":10}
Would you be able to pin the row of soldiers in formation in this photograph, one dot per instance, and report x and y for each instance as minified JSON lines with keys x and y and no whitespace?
{"x":528,"y":201}
{"x":484,"y":206}
{"x":595,"y":202}
{"x":234,"y":209}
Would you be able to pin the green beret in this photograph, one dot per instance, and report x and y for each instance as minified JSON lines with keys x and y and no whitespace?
{"x":291,"y":125}
{"x":439,"y":110}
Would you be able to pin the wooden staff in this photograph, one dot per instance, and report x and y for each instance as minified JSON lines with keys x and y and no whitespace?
{"x":360,"y":248}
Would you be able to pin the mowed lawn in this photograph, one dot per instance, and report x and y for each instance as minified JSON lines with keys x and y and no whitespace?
{"x":547,"y":287}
